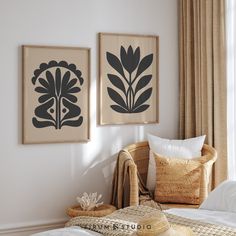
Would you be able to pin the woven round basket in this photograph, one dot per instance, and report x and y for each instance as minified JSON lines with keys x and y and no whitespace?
{"x":102,"y":210}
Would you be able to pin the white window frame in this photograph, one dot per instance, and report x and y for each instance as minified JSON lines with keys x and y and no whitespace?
{"x":231,"y":86}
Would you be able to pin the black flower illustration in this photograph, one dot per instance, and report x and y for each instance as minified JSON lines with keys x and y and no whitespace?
{"x":130,"y":86}
{"x":58,"y":101}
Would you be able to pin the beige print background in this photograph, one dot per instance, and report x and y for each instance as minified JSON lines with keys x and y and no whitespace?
{"x":112,"y":43}
{"x":33,"y":57}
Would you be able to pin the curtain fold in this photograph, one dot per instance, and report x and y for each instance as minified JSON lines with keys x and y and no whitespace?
{"x":203,"y":84}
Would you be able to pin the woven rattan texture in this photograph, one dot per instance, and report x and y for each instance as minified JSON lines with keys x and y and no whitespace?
{"x":178,"y":180}
{"x":115,"y":225}
{"x":136,"y":159}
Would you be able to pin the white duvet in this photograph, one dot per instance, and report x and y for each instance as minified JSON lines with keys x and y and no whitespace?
{"x":207,"y":216}
{"x":71,"y":231}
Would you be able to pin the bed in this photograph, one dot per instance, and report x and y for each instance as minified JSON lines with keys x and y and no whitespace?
{"x":70,"y":231}
{"x":208,"y":216}
{"x":219,"y":209}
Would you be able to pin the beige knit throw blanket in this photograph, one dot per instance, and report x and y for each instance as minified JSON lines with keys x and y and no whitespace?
{"x":121,"y":174}
{"x":124,"y":222}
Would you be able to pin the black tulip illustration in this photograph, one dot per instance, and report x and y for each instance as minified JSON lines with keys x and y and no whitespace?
{"x":130,"y":82}
{"x":57,"y":88}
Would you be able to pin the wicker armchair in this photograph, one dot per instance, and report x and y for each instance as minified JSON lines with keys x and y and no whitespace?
{"x":138,"y":158}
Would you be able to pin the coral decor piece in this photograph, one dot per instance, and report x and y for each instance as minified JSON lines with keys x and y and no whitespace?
{"x":89,"y":202}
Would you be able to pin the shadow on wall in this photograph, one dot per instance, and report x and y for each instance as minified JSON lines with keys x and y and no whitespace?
{"x":92,"y":164}
{"x":100,"y":177}
{"x":94,"y":177}
{"x":94,"y":172}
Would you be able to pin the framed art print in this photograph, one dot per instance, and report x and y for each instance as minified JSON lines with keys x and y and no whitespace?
{"x":55,"y":94}
{"x":128,"y":78}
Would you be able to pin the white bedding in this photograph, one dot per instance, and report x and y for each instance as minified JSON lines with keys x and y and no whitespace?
{"x":70,"y":231}
{"x":207,"y":216}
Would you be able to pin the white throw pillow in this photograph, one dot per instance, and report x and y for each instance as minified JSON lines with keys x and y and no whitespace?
{"x":222,"y":198}
{"x":185,"y":149}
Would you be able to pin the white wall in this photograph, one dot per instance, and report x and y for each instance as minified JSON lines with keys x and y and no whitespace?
{"x":38,"y":182}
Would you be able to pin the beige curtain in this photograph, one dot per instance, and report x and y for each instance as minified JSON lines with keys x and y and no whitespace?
{"x":203,"y":76}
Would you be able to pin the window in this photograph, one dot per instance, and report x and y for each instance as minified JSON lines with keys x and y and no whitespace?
{"x":231,"y":87}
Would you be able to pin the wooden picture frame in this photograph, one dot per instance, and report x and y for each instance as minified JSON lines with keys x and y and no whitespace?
{"x":56,"y":86}
{"x":128,"y":79}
